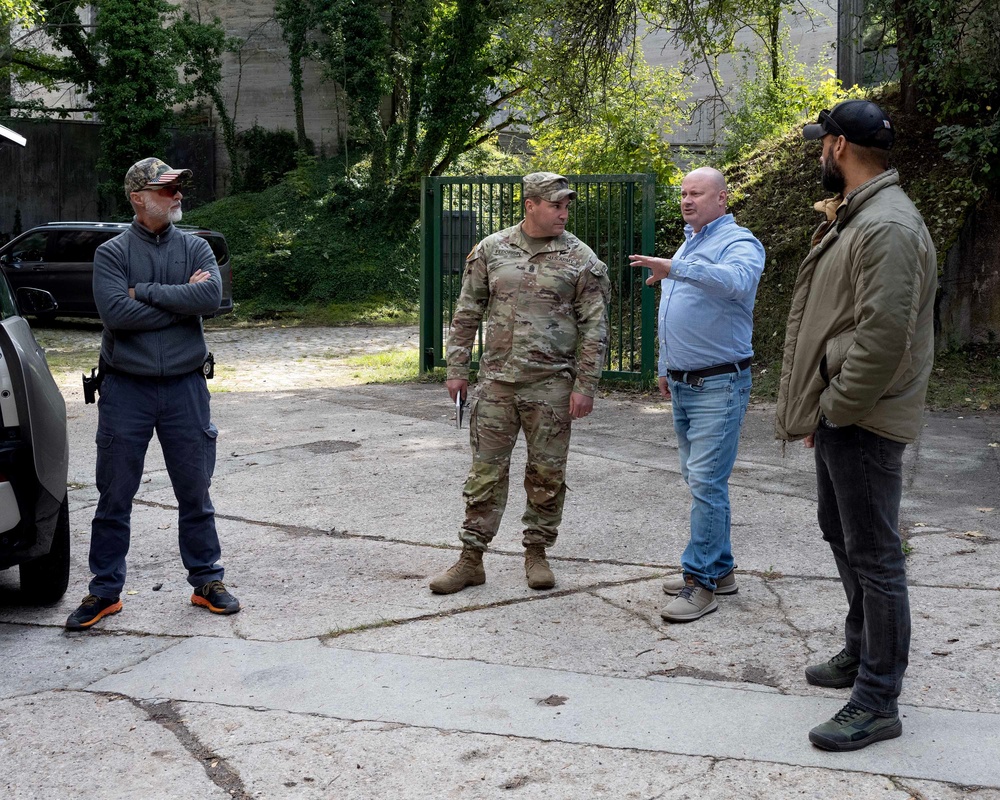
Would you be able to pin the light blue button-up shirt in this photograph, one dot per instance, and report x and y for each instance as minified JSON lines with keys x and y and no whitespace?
{"x":706,"y":303}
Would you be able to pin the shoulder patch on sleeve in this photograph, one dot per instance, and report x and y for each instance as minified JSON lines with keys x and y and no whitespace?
{"x":597,"y":267}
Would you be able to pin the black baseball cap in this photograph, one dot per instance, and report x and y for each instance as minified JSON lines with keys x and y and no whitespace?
{"x":859,"y":121}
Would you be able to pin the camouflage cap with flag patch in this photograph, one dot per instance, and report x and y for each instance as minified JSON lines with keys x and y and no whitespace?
{"x":151,"y":172}
{"x":548,"y":186}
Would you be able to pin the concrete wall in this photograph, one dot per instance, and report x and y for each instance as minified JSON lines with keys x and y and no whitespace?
{"x":255,"y":80}
{"x":813,"y":34}
{"x":55,"y":178}
{"x":968,"y":307}
{"x":52,"y":178}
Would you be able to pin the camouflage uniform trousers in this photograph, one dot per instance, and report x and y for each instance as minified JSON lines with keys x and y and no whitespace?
{"x":499,"y":411}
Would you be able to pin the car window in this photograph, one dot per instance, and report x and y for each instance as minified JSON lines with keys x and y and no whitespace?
{"x":219,"y":247}
{"x":77,"y":245}
{"x":31,"y":247}
{"x":7,"y":307}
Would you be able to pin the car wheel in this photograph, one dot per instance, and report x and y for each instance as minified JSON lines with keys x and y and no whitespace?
{"x":44,"y":579}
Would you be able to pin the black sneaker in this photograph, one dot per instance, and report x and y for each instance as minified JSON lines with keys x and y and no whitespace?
{"x":837,"y":673}
{"x":215,"y":598}
{"x":91,"y":610}
{"x":853,"y":728}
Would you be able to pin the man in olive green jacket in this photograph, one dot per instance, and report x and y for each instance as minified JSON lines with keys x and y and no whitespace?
{"x":858,"y":353}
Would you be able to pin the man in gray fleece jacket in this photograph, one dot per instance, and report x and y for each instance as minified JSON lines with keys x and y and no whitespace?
{"x":152,"y":284}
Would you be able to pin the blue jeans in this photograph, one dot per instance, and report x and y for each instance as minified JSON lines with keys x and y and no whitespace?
{"x":129,"y":410}
{"x":859,"y":477}
{"x":707,"y":420}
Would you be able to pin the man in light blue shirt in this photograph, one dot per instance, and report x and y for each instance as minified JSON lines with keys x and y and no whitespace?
{"x":705,"y":326}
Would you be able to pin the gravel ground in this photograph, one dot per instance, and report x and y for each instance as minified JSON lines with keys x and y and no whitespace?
{"x":247,"y":358}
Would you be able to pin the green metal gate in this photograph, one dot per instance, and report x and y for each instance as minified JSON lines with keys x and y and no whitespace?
{"x":613,"y":214}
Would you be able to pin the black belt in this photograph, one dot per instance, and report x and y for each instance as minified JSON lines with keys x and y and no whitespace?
{"x":106,"y":369}
{"x":694,"y":377}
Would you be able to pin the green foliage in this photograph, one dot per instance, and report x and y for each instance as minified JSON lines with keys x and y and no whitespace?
{"x":772,"y":191}
{"x":266,"y":156}
{"x":136,"y":81}
{"x":22,"y":12}
{"x":290,"y":249}
{"x":129,"y":67}
{"x":488,"y":159}
{"x":201,"y":47}
{"x":623,"y":131}
{"x":949,"y":68}
{"x":966,"y":379}
{"x":297,"y":18}
{"x":430,"y":80}
{"x":767,"y":107}
{"x":977,"y":145}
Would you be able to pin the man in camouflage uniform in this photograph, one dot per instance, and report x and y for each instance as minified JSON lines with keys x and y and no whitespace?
{"x":544,"y":295}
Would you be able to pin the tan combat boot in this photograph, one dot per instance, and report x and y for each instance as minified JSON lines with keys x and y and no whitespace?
{"x":536,"y":568}
{"x":467,"y":571}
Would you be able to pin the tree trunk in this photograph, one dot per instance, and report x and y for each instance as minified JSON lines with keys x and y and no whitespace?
{"x":912,"y":31}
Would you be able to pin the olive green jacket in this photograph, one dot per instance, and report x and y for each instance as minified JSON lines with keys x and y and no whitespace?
{"x":860,"y":339}
{"x":545,"y":313}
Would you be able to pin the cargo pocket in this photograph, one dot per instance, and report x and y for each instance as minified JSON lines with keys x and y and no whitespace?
{"x":473,"y":423}
{"x":211,"y":435}
{"x":105,"y":469}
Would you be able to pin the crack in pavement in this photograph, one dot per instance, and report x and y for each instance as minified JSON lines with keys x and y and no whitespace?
{"x":217,"y":768}
{"x":326,"y":638}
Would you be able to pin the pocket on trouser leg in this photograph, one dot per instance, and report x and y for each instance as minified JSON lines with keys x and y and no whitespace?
{"x":473,"y":424}
{"x":494,"y":427}
{"x":105,"y":469}
{"x":211,"y":437}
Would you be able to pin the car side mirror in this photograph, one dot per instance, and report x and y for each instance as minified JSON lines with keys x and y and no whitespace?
{"x":36,"y":301}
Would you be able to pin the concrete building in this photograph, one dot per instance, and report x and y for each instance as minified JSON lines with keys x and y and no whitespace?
{"x":812,"y":34}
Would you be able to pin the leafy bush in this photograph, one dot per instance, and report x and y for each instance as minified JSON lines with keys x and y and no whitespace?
{"x":267,"y":156}
{"x":767,"y":108}
{"x":291,"y":249}
{"x":623,"y":134}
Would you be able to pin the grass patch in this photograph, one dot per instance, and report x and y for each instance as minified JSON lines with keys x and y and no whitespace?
{"x":391,"y":366}
{"x":377,"y":312}
{"x":72,"y":360}
{"x":966,"y":380}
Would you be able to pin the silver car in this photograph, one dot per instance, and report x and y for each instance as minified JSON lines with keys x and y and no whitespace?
{"x":34,"y":454}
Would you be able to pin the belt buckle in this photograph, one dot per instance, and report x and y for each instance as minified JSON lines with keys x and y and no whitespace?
{"x":697,"y":382}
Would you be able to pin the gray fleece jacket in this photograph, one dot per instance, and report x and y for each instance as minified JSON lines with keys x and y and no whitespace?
{"x":159,"y":333}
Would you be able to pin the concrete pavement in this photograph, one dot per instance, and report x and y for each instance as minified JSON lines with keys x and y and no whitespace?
{"x":344,"y":677}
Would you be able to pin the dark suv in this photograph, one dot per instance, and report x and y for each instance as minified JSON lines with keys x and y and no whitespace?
{"x":59,"y":258}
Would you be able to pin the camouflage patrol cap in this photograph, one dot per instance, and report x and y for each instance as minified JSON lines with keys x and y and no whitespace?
{"x":152,"y":172}
{"x":547,"y":186}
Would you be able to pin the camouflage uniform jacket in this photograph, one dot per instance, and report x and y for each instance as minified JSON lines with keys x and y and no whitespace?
{"x":545,"y":313}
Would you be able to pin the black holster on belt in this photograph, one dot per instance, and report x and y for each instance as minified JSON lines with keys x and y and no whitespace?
{"x":92,"y":385}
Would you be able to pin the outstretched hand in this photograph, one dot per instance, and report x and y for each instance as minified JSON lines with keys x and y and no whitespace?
{"x":660,"y":267}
